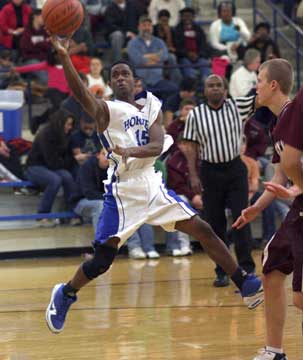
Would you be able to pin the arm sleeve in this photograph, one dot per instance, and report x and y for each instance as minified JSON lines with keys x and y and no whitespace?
{"x":245,"y":106}
{"x":214,"y":36}
{"x":190,"y":131}
{"x":32,"y":67}
{"x":244,"y":31}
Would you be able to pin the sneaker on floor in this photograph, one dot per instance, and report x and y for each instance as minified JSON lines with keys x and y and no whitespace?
{"x":221,"y":281}
{"x":57,"y":309}
{"x":75,"y":222}
{"x":47,"y":223}
{"x":268,"y":355}
{"x":137,"y":253}
{"x":252,"y":291}
{"x":186,"y":251}
{"x":153,"y":254}
{"x":175,"y":252}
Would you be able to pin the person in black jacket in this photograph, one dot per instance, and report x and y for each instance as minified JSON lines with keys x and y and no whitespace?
{"x":88,"y":200}
{"x":191,"y":46}
{"x":121,"y":23}
{"x":50,"y":161}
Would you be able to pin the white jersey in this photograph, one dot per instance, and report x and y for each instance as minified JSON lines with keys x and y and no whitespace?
{"x":129,"y":127}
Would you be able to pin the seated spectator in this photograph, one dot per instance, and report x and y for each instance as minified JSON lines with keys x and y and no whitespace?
{"x":121,"y":25}
{"x":34,"y":43}
{"x":96,"y":10}
{"x":50,"y":162}
{"x":191,"y":46}
{"x":80,"y":49}
{"x":10,"y":165}
{"x":87,"y":201}
{"x":142,"y":6}
{"x":14,"y":17}
{"x":178,"y":243}
{"x":141,"y":244}
{"x":148,"y":50}
{"x":84,"y":142}
{"x":187,"y":90}
{"x":8,"y":78}
{"x":262,"y":41}
{"x":163,"y":31}
{"x":228,"y":35}
{"x":95,"y":77}
{"x":244,"y":79}
{"x":173,"y":6}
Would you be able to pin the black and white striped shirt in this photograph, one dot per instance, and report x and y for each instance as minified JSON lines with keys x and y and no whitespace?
{"x":219,"y":132}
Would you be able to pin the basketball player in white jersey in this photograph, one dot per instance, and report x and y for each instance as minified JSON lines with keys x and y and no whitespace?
{"x":132,"y":134}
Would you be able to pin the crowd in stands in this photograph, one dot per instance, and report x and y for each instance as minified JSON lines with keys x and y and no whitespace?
{"x":172,"y":55}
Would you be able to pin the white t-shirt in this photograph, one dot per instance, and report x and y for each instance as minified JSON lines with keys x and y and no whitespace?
{"x":242,"y":81}
{"x":100,"y":82}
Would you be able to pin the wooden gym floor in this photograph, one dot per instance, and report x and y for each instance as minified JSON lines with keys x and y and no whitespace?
{"x":164,"y":309}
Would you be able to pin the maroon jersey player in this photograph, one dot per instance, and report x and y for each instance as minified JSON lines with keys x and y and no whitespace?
{"x":284,"y":252}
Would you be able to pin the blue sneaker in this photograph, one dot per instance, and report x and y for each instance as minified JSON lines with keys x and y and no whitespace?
{"x":58,"y":308}
{"x":252,"y":291}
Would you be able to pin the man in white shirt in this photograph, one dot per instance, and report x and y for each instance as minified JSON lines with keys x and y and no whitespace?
{"x":244,"y":79}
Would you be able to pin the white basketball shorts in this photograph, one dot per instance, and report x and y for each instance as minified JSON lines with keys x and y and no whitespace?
{"x":139,"y":197}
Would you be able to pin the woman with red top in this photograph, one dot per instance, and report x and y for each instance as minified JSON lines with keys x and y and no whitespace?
{"x":14,"y":17}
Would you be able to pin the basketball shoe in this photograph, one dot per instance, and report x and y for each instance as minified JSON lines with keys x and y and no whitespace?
{"x":268,"y":355}
{"x":252,"y":291}
{"x":57,"y":309}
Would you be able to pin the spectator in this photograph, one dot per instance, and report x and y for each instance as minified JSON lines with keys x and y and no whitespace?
{"x":10,"y":165}
{"x":171,"y":105}
{"x":7,"y":75}
{"x":34,"y":43}
{"x":163,"y":31}
{"x":228,"y":35}
{"x":262,"y":41}
{"x":121,"y":24}
{"x":148,"y":50}
{"x":173,"y":6}
{"x":142,"y":6}
{"x":191,"y":46}
{"x":138,"y":86}
{"x":50,"y":162}
{"x":88,"y":199}
{"x":95,"y":10}
{"x":14,"y":17}
{"x":141,"y":243}
{"x":244,"y":79}
{"x":80,"y":49}
{"x":95,"y":77}
{"x":178,"y":243}
{"x":85,"y":142}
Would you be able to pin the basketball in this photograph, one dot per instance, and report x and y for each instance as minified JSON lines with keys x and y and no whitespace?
{"x":62,"y":17}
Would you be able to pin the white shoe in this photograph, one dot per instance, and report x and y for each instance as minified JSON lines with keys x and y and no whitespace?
{"x":46,"y":223}
{"x":268,"y":355}
{"x":186,"y":250}
{"x":176,"y":252}
{"x":153,"y":254}
{"x":137,"y":253}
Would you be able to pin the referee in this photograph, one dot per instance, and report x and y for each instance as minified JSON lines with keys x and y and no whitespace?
{"x":213,"y":132}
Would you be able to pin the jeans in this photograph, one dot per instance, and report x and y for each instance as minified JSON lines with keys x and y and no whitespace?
{"x":89,"y":209}
{"x":142,"y":238}
{"x":117,"y":40}
{"x":50,"y":181}
{"x":191,"y":72}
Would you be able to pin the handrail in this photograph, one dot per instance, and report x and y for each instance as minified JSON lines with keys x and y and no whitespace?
{"x":277,"y":33}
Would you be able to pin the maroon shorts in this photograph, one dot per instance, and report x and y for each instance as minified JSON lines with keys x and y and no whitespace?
{"x":284,"y":252}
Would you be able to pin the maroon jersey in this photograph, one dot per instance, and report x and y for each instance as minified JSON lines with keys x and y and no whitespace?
{"x":289,"y":130}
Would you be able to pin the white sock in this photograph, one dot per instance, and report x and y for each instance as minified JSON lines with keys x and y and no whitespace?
{"x":274,"y":350}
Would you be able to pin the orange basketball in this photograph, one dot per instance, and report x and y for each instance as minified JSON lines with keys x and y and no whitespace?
{"x":62,"y":17}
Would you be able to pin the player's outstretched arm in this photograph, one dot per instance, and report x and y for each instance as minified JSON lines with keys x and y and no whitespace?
{"x":151,"y":149}
{"x":98,"y":110}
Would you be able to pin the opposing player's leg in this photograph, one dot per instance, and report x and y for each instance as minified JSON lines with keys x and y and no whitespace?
{"x":64,"y":295}
{"x":249,"y":285}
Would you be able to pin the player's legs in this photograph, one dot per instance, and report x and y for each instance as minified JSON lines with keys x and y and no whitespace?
{"x":249,"y":285}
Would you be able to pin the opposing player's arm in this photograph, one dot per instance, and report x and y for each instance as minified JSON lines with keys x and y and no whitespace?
{"x":151,"y":149}
{"x":291,"y":163}
{"x":98,"y":110}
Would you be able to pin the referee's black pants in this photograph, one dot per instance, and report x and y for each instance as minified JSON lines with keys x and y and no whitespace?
{"x":225,"y":185}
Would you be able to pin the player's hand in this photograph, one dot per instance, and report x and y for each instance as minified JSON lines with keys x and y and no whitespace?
{"x":281,"y":191}
{"x":247,"y":215}
{"x":195,"y":184}
{"x":197,"y":202}
{"x":61,"y":45}
{"x":123,"y":152}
